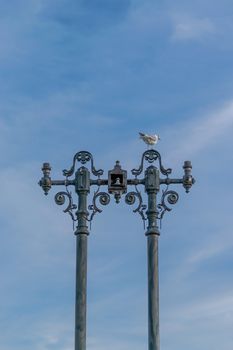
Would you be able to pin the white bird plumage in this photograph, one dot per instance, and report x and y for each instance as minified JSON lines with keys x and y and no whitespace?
{"x":149,"y":139}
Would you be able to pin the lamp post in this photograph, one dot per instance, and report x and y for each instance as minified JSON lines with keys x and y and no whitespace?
{"x":117,"y":184}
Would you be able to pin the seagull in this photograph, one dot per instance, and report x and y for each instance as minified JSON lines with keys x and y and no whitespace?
{"x":149,"y":139}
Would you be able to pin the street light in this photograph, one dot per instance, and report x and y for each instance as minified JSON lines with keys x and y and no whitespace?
{"x":117,"y":184}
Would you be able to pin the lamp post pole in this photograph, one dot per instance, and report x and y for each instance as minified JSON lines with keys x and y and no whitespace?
{"x":82,"y":188}
{"x":151,"y":213}
{"x":152,"y":188}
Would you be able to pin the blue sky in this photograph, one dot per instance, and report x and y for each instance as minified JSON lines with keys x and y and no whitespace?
{"x":90,"y":74}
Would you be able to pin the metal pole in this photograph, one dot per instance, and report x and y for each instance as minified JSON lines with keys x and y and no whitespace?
{"x":152,"y":233}
{"x":81,"y":292}
{"x":153,"y":293}
{"x":82,"y":188}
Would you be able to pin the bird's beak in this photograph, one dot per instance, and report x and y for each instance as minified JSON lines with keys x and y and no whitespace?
{"x":159,"y":137}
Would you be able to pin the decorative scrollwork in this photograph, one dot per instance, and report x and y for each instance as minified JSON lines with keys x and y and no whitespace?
{"x":171,"y":197}
{"x":151,"y":156}
{"x":60,"y":199}
{"x":130,"y":199}
{"x":103,"y":198}
{"x":83,"y":157}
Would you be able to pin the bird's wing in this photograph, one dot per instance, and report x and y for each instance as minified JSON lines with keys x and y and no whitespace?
{"x":153,"y":137}
{"x":141,"y":134}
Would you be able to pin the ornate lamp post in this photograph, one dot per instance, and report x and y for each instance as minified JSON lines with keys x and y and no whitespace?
{"x":151,"y":213}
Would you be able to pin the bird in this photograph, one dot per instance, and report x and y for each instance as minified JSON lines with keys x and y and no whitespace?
{"x":150,"y":140}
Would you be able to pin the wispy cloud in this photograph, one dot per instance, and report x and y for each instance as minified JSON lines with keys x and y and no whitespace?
{"x":194,"y":322}
{"x":214,"y":248}
{"x":208,"y":307}
{"x":46,"y":332}
{"x":201,"y":132}
{"x":189,"y":28}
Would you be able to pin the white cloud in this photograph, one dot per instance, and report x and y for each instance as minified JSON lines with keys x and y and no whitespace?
{"x":211,"y":250}
{"x":207,"y":308}
{"x":205,"y":320}
{"x":187,"y":28}
{"x":199,"y":133}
